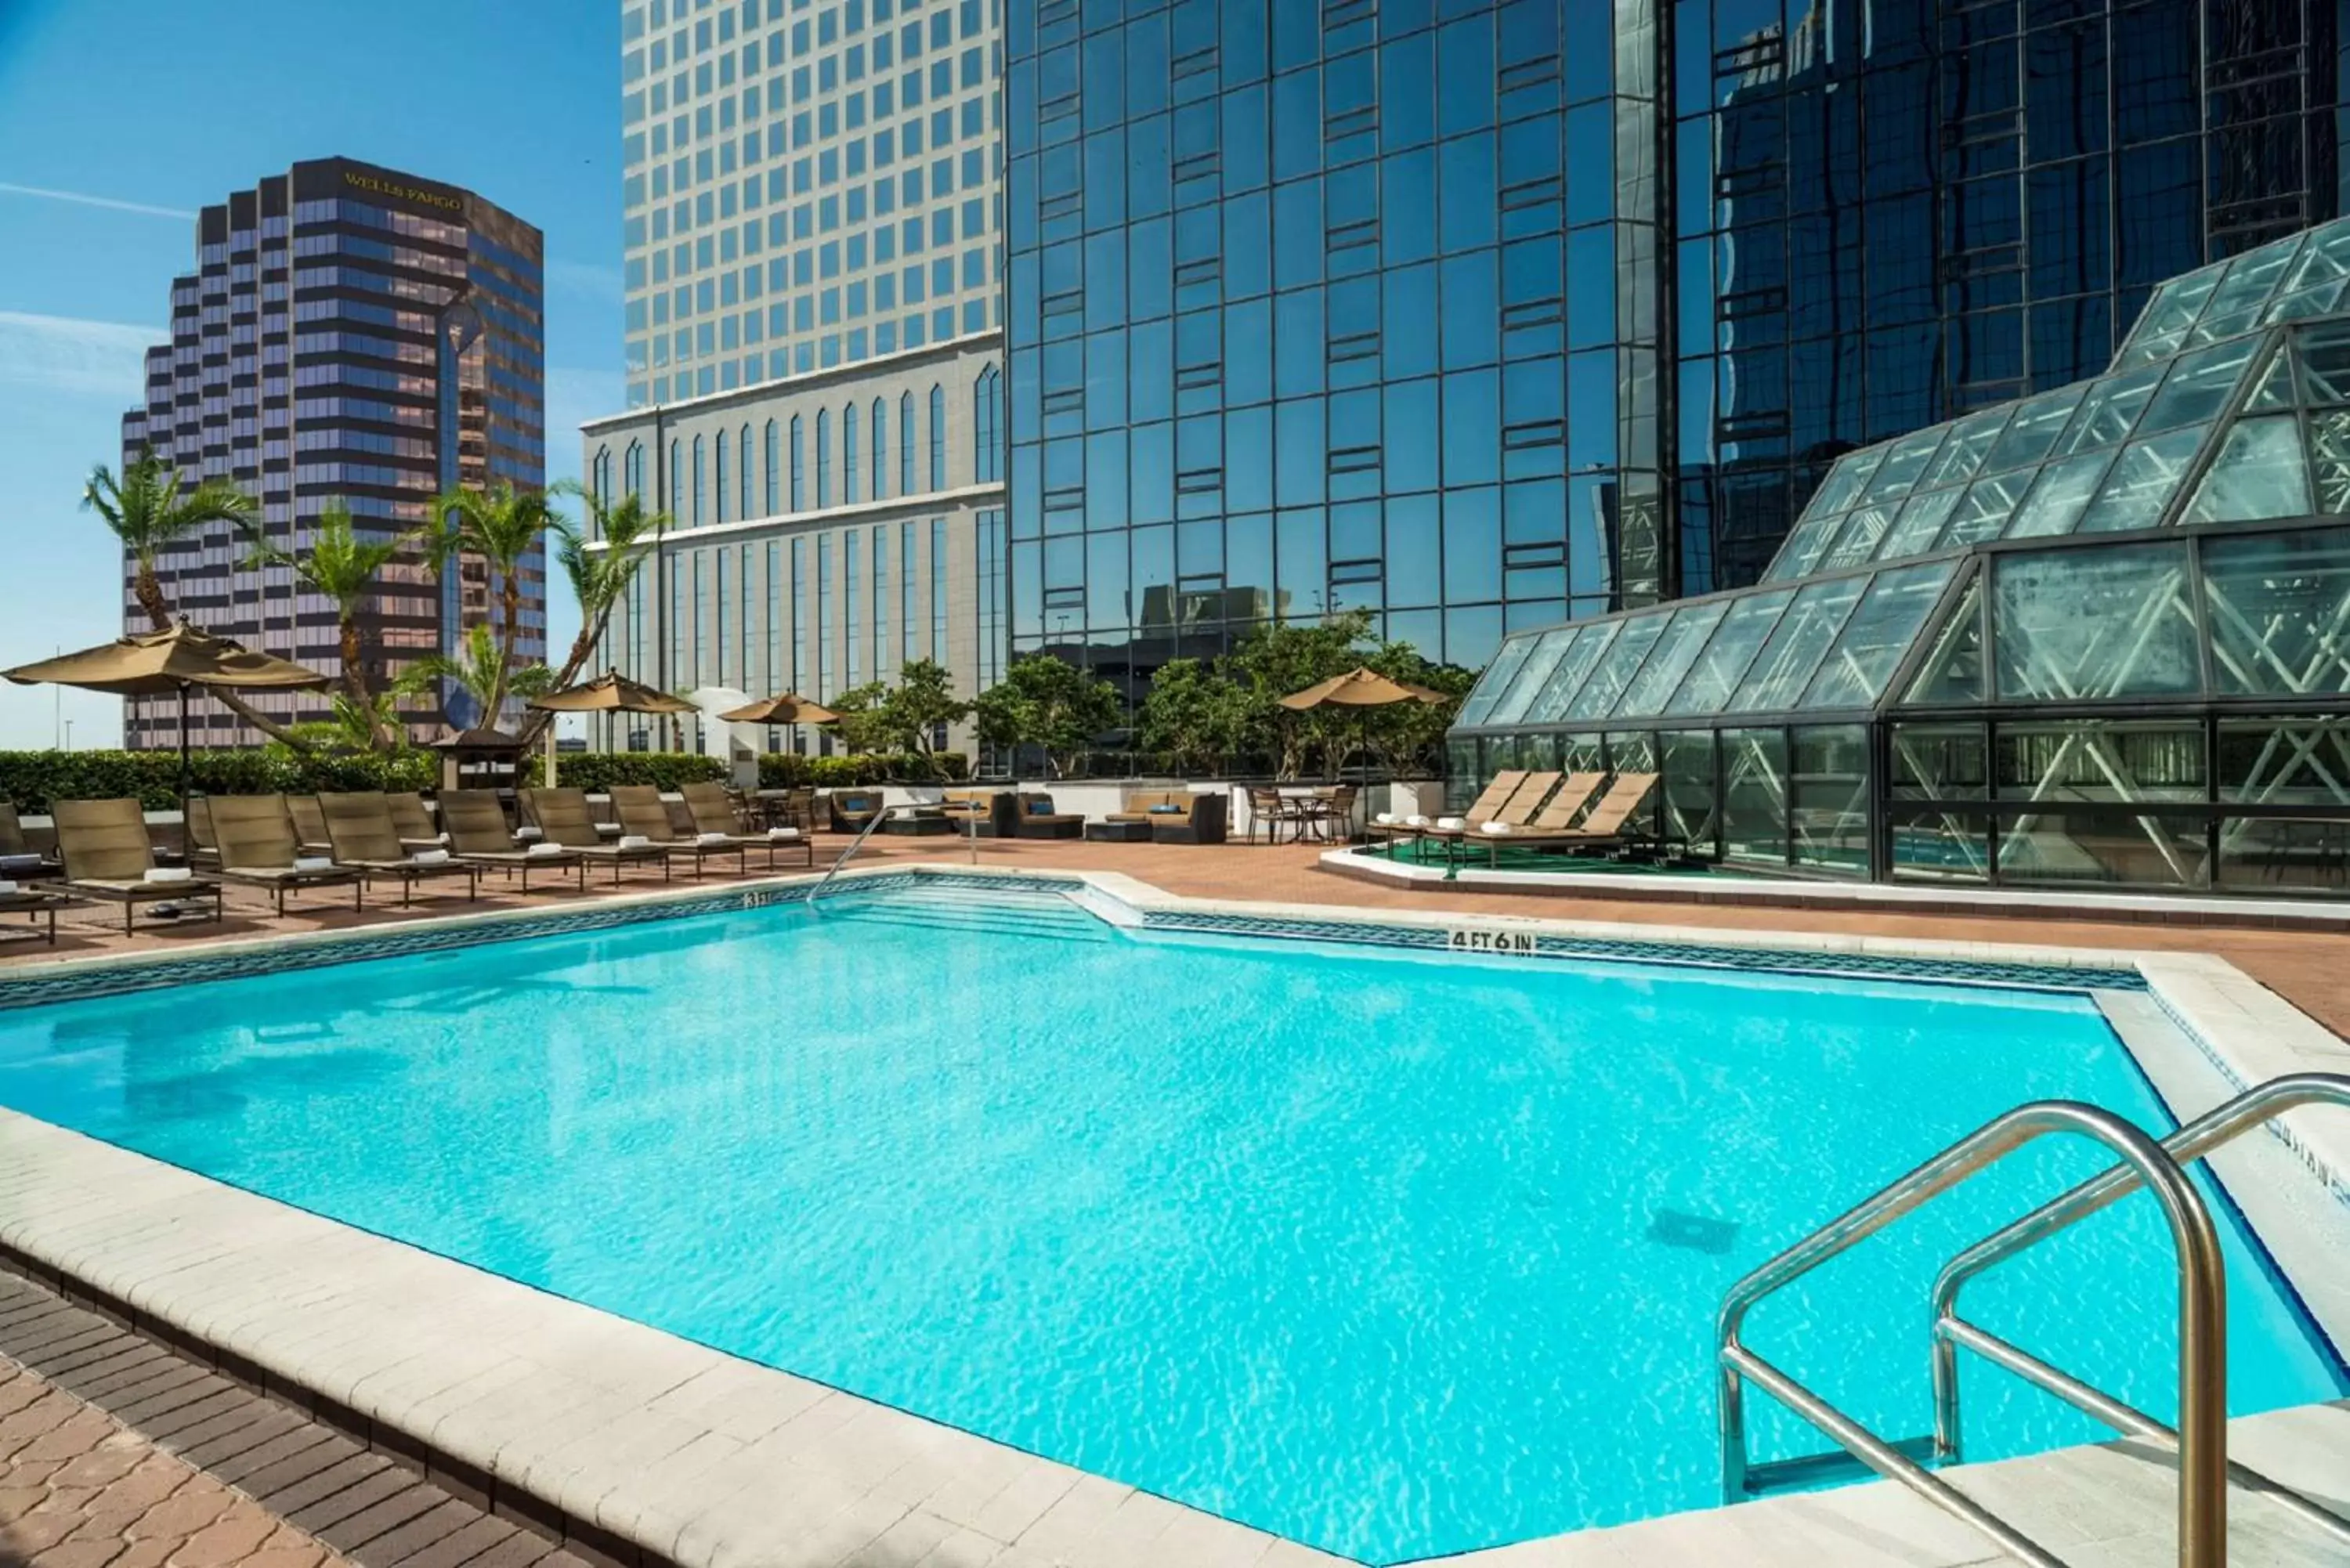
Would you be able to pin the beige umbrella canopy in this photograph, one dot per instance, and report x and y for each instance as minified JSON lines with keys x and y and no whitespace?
{"x":611,"y":693}
{"x":155,"y":663}
{"x":1358,"y":688}
{"x":791,"y":708}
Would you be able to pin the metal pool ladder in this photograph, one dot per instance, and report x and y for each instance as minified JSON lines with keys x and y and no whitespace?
{"x":2204,"y":1470}
{"x":847,"y":855}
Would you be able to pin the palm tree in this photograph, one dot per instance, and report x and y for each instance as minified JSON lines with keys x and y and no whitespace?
{"x":600,"y":578}
{"x":478,"y":669}
{"x":343,"y":566}
{"x":147,"y":510}
{"x":501,"y":526}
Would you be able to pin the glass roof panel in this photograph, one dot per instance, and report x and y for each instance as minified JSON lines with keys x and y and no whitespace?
{"x":1613,"y":673}
{"x":1985,"y":509}
{"x":2274,"y":390}
{"x":2055,"y":502}
{"x":2109,"y":410}
{"x":1804,"y":545}
{"x":1920,"y":524}
{"x":2144,"y":478}
{"x":2329,"y":455}
{"x":1904,"y":460}
{"x":2078,"y":625}
{"x":2198,"y":384}
{"x":1533,"y":669}
{"x":2325,"y":256}
{"x":2163,"y":324}
{"x":1877,"y":636}
{"x":1962,"y":453}
{"x":1796,"y":646}
{"x":2324,"y":351}
{"x":2036,"y":424}
{"x":2278,"y":603}
{"x":1550,"y":703}
{"x":1862,"y":530}
{"x":2252,"y":277}
{"x":1497,"y":677}
{"x":1728,"y":651}
{"x":1670,"y":659}
{"x":2317,"y":299}
{"x":2259,"y":473}
{"x":1844,"y":482}
{"x":1953,"y":670}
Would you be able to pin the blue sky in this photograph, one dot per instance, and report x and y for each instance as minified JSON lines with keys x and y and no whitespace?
{"x":119,"y":117}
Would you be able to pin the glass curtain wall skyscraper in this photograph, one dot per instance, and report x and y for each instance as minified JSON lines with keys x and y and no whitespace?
{"x":1482,"y":313}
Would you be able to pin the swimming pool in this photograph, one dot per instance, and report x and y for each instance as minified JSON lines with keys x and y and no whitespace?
{"x":1391,"y":1253}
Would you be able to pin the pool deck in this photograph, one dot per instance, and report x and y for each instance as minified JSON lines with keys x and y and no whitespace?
{"x":638,"y":1447}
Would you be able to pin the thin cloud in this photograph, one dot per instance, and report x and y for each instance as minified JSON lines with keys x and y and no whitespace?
{"x":67,"y":354}
{"x":84,"y":198}
{"x":585,"y":278}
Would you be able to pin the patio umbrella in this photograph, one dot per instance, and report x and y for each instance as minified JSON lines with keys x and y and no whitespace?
{"x":611,"y":692}
{"x":791,"y":708}
{"x":156,"y":663}
{"x":1358,"y":688}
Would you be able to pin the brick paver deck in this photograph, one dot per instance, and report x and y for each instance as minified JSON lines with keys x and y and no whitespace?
{"x":117,"y":1452}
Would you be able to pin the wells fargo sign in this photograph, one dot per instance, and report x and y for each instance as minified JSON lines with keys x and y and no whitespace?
{"x":416,"y":193}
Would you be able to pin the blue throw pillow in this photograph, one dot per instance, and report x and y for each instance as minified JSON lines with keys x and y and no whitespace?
{"x":1166,"y":811}
{"x":1040,"y":808}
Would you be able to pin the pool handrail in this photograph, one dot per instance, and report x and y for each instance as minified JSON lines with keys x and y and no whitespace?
{"x":2202,"y":1329}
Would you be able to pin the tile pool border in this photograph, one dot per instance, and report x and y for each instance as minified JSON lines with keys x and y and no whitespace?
{"x":645,"y":1445}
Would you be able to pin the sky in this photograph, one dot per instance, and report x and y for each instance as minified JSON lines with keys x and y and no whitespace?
{"x":119,"y":117}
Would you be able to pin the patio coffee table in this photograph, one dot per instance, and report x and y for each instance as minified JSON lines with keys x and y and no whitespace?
{"x":1118,"y":832}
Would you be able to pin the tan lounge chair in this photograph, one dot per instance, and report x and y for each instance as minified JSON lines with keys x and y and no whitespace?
{"x":1490,"y":799}
{"x":360,"y":826}
{"x":644,"y":815}
{"x":412,"y":821}
{"x":562,"y":815}
{"x":108,"y":856}
{"x":309,"y":825}
{"x":477,"y":825}
{"x":1520,"y":809}
{"x":256,"y":849}
{"x":18,"y":863}
{"x":1604,"y":827}
{"x":712,"y":811}
{"x":1554,"y":818}
{"x":202,"y":847}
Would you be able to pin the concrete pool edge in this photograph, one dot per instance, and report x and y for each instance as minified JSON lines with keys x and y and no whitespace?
{"x":647,"y":1440}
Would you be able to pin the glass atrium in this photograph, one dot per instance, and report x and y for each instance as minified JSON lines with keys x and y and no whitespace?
{"x":2099,"y":635}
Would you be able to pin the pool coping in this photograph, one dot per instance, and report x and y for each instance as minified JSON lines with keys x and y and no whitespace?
{"x":645,"y":1445}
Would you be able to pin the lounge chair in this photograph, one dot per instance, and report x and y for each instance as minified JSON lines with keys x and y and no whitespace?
{"x":982,"y":813}
{"x":1173,"y":816}
{"x":18,"y":863}
{"x":413,"y":823}
{"x":1556,"y":818}
{"x":255,"y":848}
{"x":1519,"y":810}
{"x":644,"y":815}
{"x":1605,"y":827}
{"x":1490,"y":799}
{"x":477,"y":825}
{"x":1039,"y":820}
{"x":851,"y":809}
{"x":309,"y":825}
{"x":359,"y":827}
{"x":109,"y":856}
{"x":563,"y":817}
{"x":202,"y":848}
{"x":712,"y":811}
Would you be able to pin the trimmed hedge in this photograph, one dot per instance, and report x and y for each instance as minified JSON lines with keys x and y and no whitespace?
{"x":597,"y":771}
{"x":783,"y":770}
{"x":33,"y":779}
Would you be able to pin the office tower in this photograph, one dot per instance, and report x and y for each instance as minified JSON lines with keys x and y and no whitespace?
{"x":350,"y":333}
{"x":813,"y":349}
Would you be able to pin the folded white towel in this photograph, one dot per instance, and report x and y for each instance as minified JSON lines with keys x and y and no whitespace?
{"x":527,"y":833}
{"x":170,"y":874}
{"x":709,"y":838}
{"x":313,"y":863}
{"x":1384,"y":817}
{"x":429,"y":857}
{"x":1416,"y":819}
{"x":634,"y":841}
{"x":1498,"y":827}
{"x":8,"y":889}
{"x":439,"y":838}
{"x":20,"y":862}
{"x":542,"y":851}
{"x":1452,"y":823}
{"x":782,"y":833}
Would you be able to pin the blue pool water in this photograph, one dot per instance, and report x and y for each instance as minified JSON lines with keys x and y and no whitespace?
{"x":1389,"y":1253}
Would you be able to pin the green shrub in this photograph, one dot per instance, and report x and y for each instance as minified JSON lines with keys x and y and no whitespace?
{"x":783,"y":770}
{"x":597,"y":771}
{"x":34,"y":779}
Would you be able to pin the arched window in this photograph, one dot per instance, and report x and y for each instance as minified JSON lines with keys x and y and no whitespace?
{"x":799,"y":469}
{"x":743,"y":490}
{"x":697,"y":482}
{"x":722,"y":466}
{"x":987,"y":452}
{"x":676,"y":483}
{"x":599,"y":474}
{"x":906,"y":444}
{"x":774,"y":467}
{"x":880,"y":450}
{"x":823,"y":459}
{"x":848,"y":455}
{"x":633,"y":470}
{"x":938,"y":438}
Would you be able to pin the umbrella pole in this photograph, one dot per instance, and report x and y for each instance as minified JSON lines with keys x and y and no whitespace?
{"x":187,"y":841}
